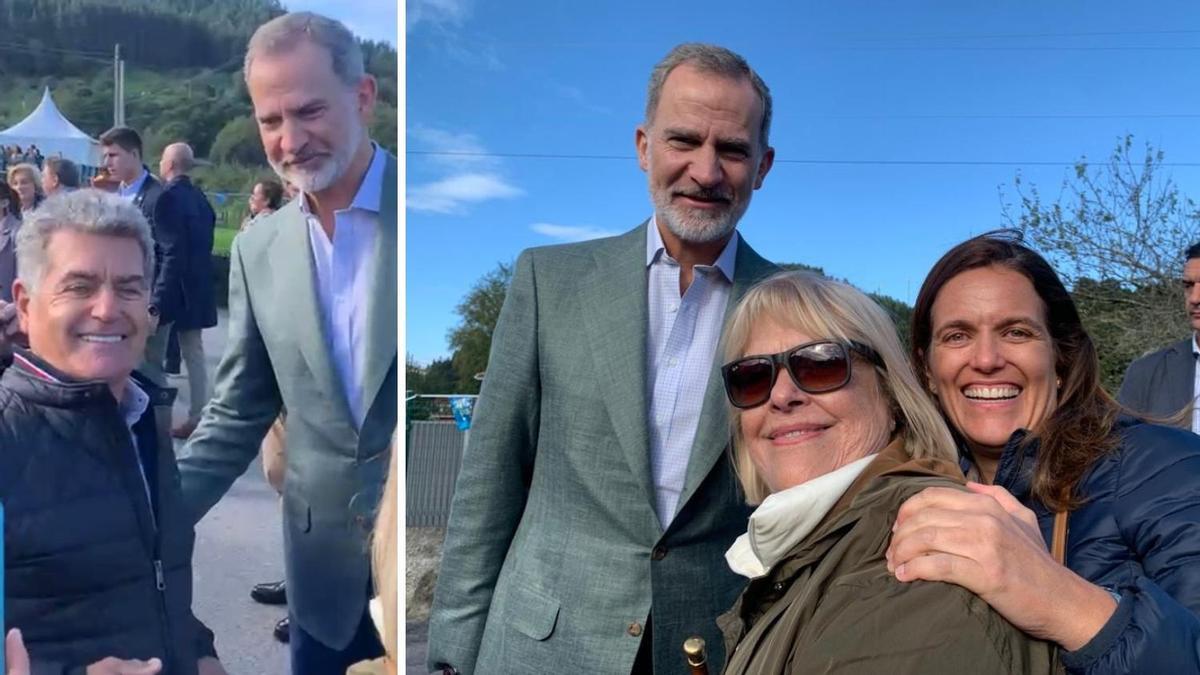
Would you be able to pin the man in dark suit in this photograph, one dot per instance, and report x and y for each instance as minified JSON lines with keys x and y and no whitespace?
{"x":1164,"y":383}
{"x":185,"y":206}
{"x":596,"y":501}
{"x":121,"y":149}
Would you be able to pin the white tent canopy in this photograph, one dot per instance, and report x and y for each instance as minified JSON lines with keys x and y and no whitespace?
{"x":53,"y":134}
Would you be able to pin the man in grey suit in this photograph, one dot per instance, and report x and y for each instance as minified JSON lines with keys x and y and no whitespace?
{"x":312,"y":329}
{"x":1165,"y":382}
{"x":595,"y":501}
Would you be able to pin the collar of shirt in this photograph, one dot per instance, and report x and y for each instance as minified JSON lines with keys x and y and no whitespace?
{"x":370,"y":191}
{"x":726,"y":262}
{"x":133,"y":404}
{"x":1195,"y":347}
{"x":133,"y":188}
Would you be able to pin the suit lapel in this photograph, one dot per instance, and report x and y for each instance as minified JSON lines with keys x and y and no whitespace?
{"x":1181,"y":376}
{"x":296,"y":279}
{"x":616,"y":317}
{"x":713,"y":433}
{"x":381,"y":310}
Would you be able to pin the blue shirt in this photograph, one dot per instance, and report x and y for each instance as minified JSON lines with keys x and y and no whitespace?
{"x":344,"y":272}
{"x":681,"y":345}
{"x":130,"y":191}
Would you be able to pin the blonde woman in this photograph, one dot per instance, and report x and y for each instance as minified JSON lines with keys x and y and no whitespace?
{"x":26,"y":181}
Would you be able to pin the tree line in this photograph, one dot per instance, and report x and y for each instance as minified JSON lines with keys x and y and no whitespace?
{"x":183,"y":74}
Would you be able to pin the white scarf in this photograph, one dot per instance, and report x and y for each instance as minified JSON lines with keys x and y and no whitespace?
{"x":786,"y":517}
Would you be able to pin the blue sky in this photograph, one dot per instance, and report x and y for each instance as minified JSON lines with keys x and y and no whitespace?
{"x":371,"y":19}
{"x":1004,"y":85}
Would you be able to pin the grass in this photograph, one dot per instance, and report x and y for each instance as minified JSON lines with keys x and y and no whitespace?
{"x":223,"y":240}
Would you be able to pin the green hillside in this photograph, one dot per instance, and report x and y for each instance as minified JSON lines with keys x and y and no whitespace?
{"x":183,"y":77}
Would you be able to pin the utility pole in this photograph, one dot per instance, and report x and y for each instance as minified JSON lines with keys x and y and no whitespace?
{"x":116,"y":84}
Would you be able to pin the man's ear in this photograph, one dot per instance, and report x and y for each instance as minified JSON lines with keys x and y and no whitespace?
{"x":21,"y":297}
{"x":364,"y":97}
{"x":764,"y":166}
{"x":641,"y":141}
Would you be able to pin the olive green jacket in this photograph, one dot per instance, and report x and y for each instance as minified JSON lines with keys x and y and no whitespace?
{"x":831,"y":606}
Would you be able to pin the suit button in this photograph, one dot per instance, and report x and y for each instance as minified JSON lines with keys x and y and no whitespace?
{"x":658,"y":553}
{"x":635,"y":629}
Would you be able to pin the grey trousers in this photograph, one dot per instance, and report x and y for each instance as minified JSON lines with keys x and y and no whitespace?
{"x":191,"y":349}
{"x":156,"y":355}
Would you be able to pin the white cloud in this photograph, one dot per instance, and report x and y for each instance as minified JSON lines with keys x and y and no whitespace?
{"x":571,"y":232}
{"x":423,"y":138}
{"x":454,"y":193}
{"x":438,"y":12}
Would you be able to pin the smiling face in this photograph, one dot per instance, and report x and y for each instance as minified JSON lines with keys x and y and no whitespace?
{"x":22,"y":183}
{"x":257,"y":201}
{"x":991,"y":357}
{"x":88,"y":314}
{"x":703,"y":154}
{"x":795,"y":436}
{"x":311,"y":123}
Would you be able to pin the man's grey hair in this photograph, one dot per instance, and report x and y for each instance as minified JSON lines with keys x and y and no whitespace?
{"x":86,"y":211}
{"x":284,"y":33}
{"x":713,"y":60}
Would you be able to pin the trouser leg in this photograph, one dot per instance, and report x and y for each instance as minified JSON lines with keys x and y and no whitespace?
{"x":192,"y":349}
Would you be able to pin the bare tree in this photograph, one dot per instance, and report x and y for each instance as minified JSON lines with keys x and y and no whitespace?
{"x":1116,"y":233}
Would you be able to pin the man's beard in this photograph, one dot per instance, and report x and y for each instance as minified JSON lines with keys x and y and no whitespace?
{"x":327,"y":172}
{"x":697,"y":226}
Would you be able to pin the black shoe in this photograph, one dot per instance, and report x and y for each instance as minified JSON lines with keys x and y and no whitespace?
{"x":273,"y":593}
{"x":283,"y":630}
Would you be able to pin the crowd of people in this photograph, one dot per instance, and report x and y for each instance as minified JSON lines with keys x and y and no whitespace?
{"x":11,"y":155}
{"x":99,"y":507}
{"x":676,"y":439}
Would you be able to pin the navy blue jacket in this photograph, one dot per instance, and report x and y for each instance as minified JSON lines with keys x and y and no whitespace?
{"x":1138,"y":534}
{"x":183,"y":288}
{"x":97,"y":553}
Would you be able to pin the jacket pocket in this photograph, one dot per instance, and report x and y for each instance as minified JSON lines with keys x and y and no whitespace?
{"x":532,"y":612}
{"x":298,"y":513}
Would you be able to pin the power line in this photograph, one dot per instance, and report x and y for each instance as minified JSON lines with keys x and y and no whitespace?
{"x":823,"y":162}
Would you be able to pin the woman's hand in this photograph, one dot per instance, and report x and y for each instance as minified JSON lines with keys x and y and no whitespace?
{"x":987,"y":542}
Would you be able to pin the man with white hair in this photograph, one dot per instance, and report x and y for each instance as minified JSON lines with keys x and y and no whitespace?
{"x":312,"y":329}
{"x":192,"y":220}
{"x":98,"y":542}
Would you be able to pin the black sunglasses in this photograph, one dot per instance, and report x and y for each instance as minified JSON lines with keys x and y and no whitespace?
{"x":815,"y":367}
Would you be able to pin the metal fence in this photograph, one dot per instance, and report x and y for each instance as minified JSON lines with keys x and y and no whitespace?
{"x":434,"y":457}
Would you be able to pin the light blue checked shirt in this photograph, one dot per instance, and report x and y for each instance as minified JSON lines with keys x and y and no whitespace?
{"x":1196,"y":387}
{"x":684,"y":332}
{"x":344,"y":272}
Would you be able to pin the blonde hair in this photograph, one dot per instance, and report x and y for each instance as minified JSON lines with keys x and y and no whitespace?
{"x":35,"y":177}
{"x":385,"y":563}
{"x":824,"y":308}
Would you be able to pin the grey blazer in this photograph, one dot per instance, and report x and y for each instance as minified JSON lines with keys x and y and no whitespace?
{"x":554,"y":556}
{"x":1161,"y":383}
{"x":277,"y":355}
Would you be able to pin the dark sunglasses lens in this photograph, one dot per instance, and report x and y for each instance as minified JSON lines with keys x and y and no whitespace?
{"x":820,"y":368}
{"x":749,"y":382}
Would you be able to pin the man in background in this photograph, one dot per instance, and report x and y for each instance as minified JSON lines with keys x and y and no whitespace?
{"x":59,"y":174}
{"x":121,"y":149}
{"x":1165,"y":383}
{"x":192,"y":218}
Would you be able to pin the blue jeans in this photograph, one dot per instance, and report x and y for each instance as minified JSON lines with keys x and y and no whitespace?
{"x":312,"y":657}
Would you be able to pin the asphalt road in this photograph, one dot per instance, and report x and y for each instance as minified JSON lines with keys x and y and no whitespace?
{"x":238,"y":544}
